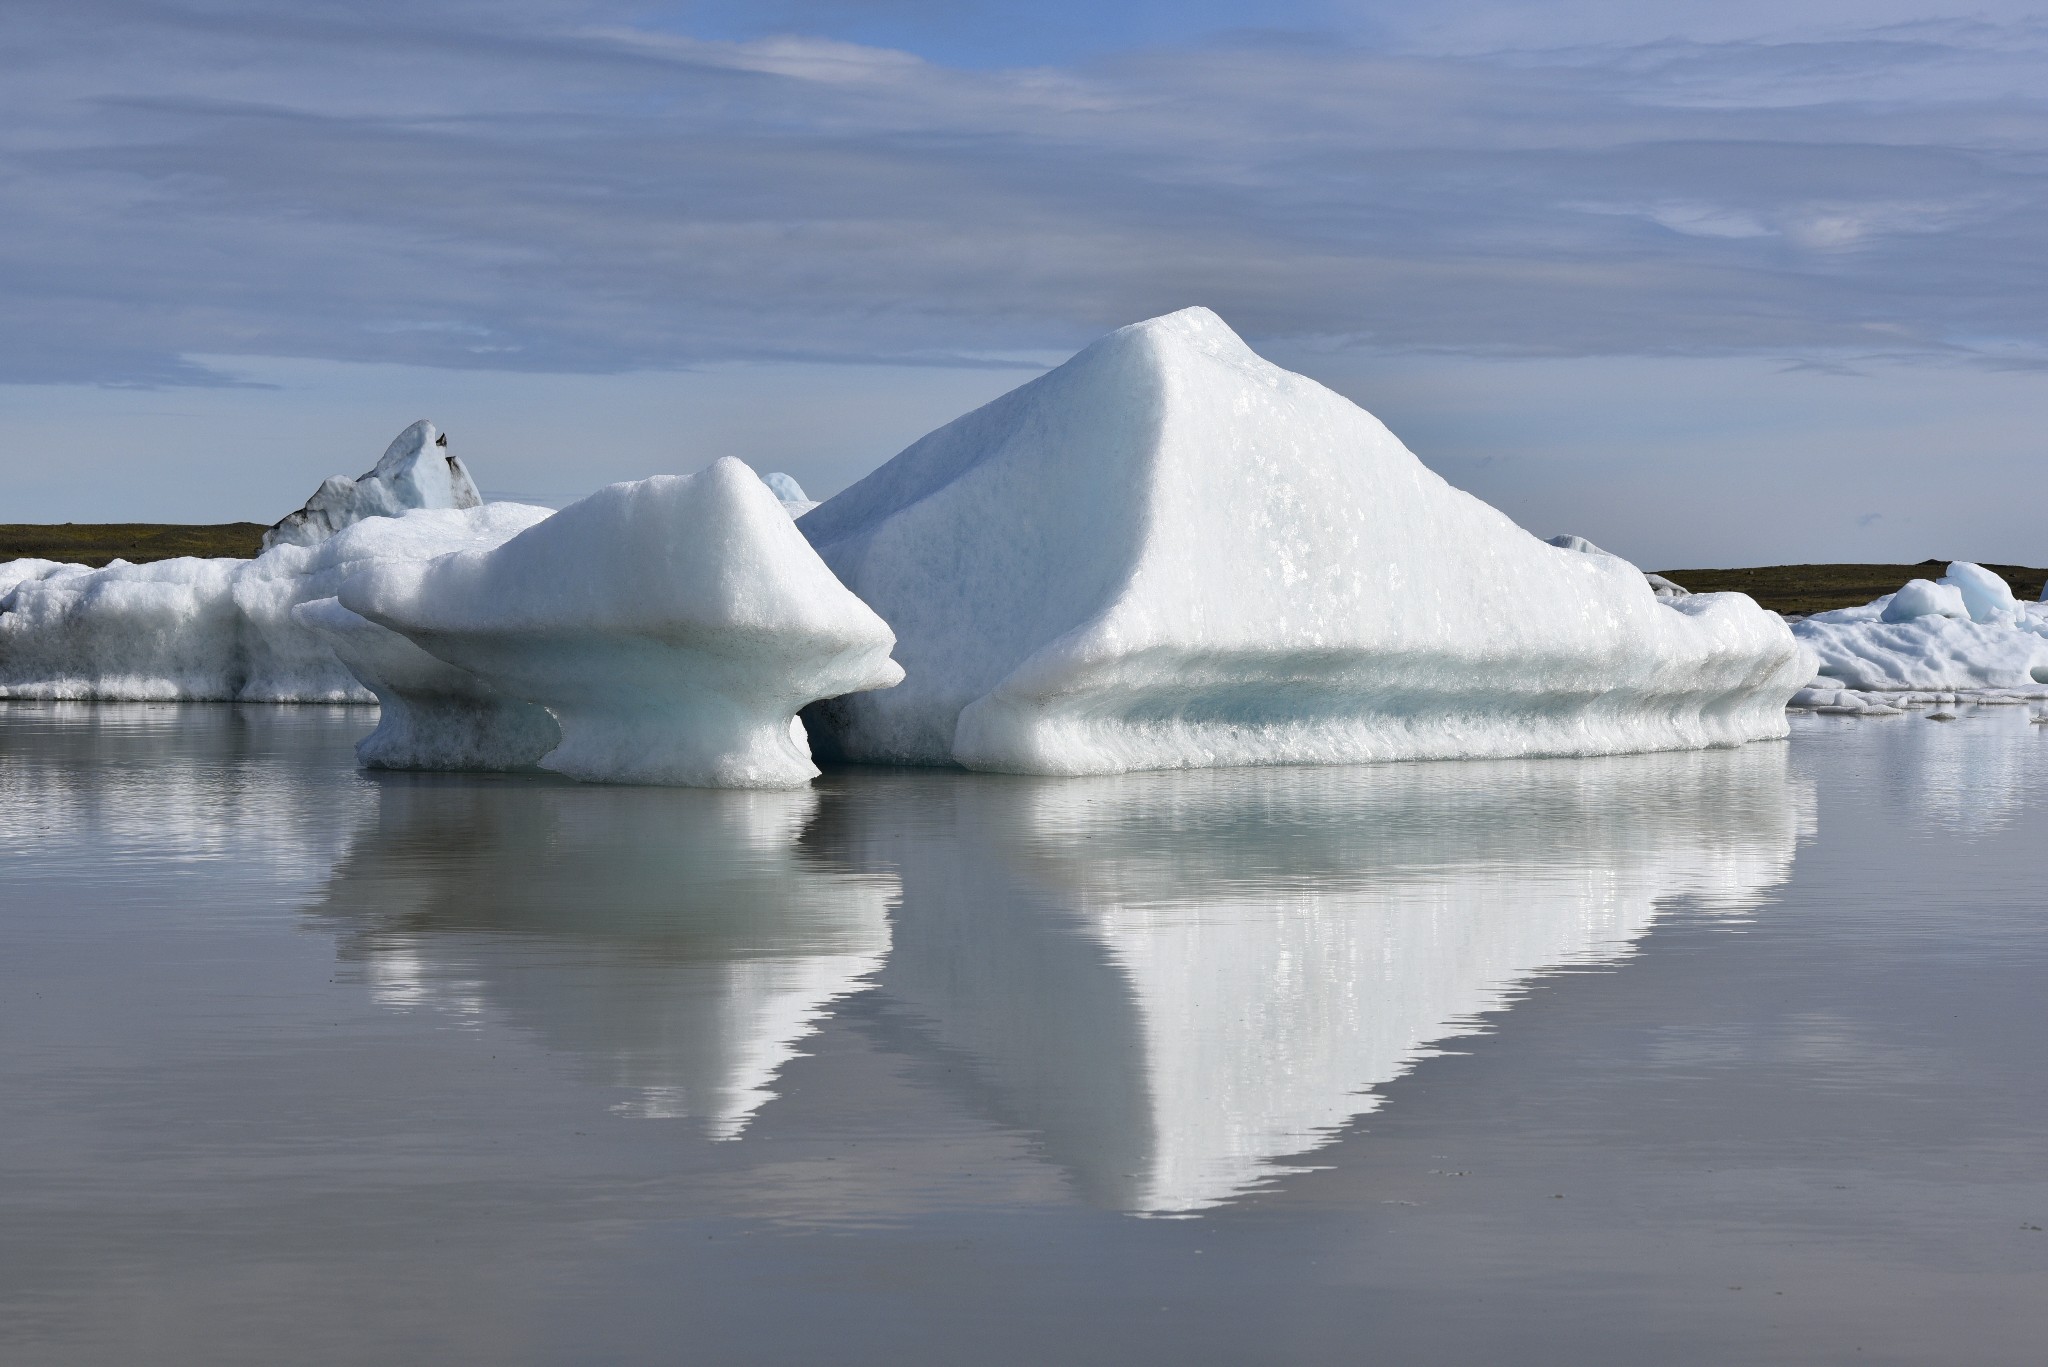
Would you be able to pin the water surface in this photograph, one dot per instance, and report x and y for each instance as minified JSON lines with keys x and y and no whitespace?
{"x":1696,"y":1058}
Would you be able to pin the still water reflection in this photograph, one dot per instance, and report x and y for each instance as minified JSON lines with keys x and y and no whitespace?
{"x":1170,"y":980}
{"x":1683,"y":1059}
{"x":681,"y":941}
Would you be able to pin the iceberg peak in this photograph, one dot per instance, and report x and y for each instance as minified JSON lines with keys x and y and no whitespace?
{"x":417,"y":470}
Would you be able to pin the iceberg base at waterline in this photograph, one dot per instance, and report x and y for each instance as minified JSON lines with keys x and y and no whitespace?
{"x":1170,"y":553}
{"x":672,"y":626}
{"x":431,"y":715}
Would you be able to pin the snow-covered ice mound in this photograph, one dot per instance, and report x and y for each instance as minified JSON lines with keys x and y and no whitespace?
{"x":1170,"y":553}
{"x":416,"y":471}
{"x":1962,"y":637}
{"x":30,"y":569}
{"x":672,"y":626}
{"x":214,"y":629}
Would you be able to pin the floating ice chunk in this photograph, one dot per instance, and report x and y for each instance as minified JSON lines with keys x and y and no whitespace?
{"x":1925,"y":653}
{"x":1965,"y":634}
{"x":144,"y":633}
{"x":794,"y":501}
{"x":431,"y":714}
{"x":416,"y":471}
{"x":216,"y":629}
{"x":1925,"y":598}
{"x":1988,"y":597}
{"x":1169,"y":553}
{"x":673,"y":626}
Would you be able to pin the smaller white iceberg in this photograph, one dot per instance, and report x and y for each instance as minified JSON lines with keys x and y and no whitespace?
{"x":673,"y":626}
{"x":794,"y":500}
{"x":416,"y":471}
{"x":1964,"y":637}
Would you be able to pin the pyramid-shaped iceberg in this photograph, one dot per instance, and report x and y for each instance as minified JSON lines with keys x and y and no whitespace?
{"x":1169,"y":553}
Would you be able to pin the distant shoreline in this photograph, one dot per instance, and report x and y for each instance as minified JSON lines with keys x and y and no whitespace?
{"x":1781,"y":588}
{"x":96,"y":543}
{"x":1801,"y":589}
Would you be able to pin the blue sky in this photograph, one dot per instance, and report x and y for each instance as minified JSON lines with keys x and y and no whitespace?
{"x":1711,"y":284}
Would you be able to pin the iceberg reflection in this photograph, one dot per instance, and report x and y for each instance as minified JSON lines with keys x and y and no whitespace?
{"x":1176,"y":979}
{"x":679,"y":940}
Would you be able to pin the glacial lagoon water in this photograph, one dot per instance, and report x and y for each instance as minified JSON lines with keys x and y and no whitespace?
{"x":1701,"y":1058}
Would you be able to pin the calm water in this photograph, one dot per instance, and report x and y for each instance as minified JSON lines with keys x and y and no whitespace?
{"x":1734,"y":1057}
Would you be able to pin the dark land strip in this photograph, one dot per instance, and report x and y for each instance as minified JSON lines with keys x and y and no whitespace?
{"x":95,"y":543}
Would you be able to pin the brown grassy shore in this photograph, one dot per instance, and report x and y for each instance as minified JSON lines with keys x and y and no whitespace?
{"x":1822,"y":588}
{"x":95,"y":543}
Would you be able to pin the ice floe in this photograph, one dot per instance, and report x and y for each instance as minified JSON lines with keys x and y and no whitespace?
{"x":673,"y":626}
{"x":214,"y":629}
{"x":220,"y":629}
{"x":1170,"y":553}
{"x":1963,"y":638}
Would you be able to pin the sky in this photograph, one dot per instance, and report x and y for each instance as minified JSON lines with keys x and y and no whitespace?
{"x":1712,"y":284}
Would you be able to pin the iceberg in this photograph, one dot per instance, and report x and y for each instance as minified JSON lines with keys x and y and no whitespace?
{"x":794,"y":501}
{"x":416,"y":471}
{"x":215,"y":629}
{"x":1962,"y":637}
{"x":673,"y":626}
{"x":221,"y":629}
{"x":1170,"y":553}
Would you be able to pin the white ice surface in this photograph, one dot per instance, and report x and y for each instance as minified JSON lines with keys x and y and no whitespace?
{"x":1170,"y":553}
{"x":415,"y":471}
{"x":673,"y":627}
{"x":216,"y":629}
{"x":1965,"y":634}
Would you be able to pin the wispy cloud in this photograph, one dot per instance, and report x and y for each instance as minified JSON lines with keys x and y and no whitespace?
{"x":557,"y":187}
